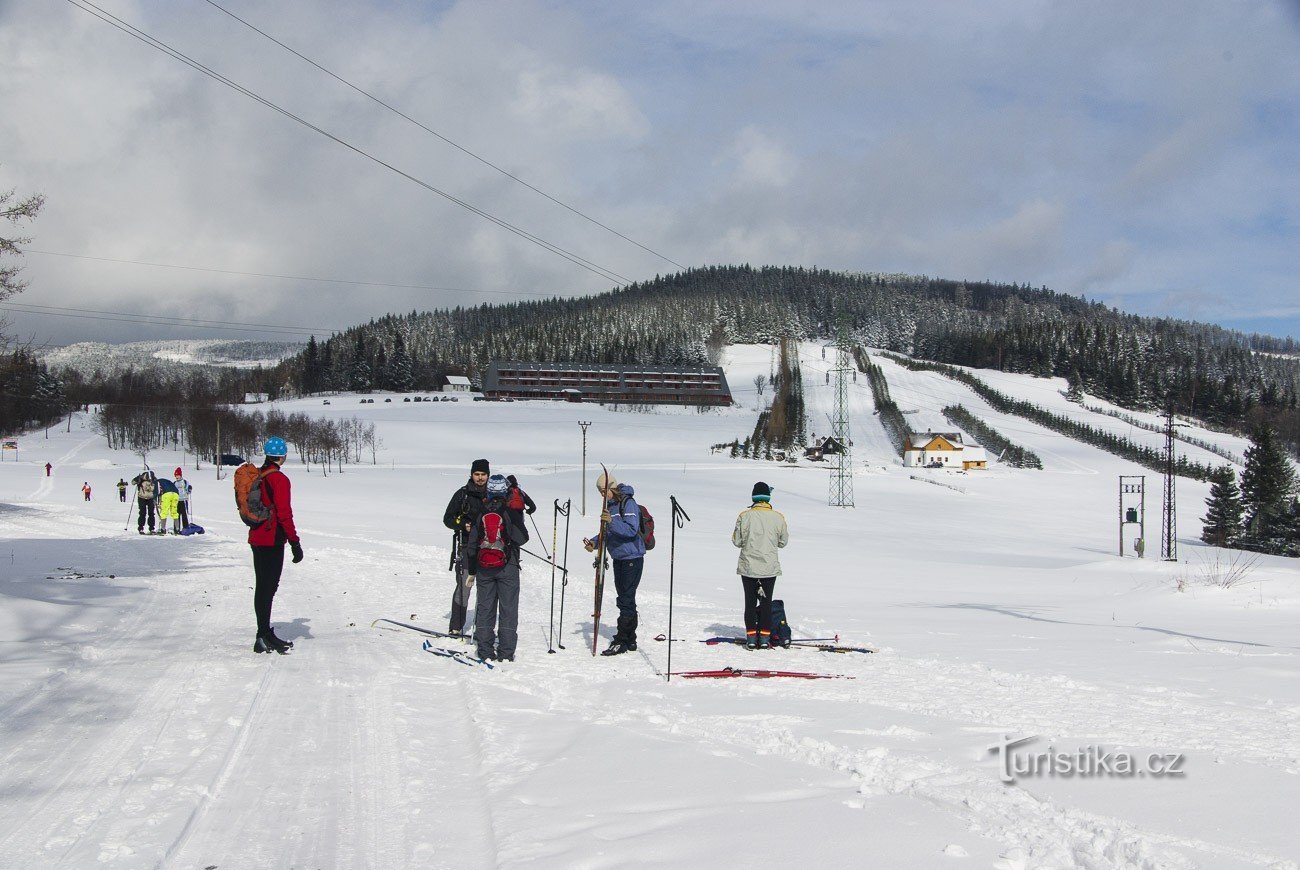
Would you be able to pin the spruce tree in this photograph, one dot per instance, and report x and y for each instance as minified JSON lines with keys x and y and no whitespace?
{"x":1225,"y":513}
{"x":1267,"y":485}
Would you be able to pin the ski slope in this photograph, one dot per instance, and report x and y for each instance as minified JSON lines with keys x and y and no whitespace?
{"x":138,"y":729}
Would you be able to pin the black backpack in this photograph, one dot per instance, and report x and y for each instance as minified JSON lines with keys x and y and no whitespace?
{"x":780,"y":627}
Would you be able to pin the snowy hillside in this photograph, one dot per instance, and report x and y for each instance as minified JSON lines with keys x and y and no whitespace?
{"x":85,"y":357}
{"x":138,"y":729}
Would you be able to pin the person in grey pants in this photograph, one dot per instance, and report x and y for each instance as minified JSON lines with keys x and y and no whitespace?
{"x":492,"y":556}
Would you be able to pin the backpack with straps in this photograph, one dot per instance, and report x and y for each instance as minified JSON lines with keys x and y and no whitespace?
{"x":250,"y":495}
{"x":645,"y":525}
{"x":492,"y":532}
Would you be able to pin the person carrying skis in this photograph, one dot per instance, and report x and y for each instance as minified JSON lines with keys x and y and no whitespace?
{"x":760,"y":532}
{"x":146,"y":488}
{"x":267,"y":543}
{"x":621,"y":520}
{"x":492,"y":557}
{"x":462,"y":512}
{"x":183,"y":490}
{"x":167,"y":501}
{"x":121,"y":491}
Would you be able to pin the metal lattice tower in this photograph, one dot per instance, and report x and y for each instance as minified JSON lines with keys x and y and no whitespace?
{"x":842,"y":475}
{"x":1169,"y":529}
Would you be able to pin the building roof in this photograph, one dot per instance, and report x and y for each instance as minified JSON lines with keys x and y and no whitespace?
{"x":921,"y":440}
{"x":457,"y":380}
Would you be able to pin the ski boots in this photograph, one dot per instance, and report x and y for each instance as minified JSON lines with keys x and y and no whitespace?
{"x":267,"y":642}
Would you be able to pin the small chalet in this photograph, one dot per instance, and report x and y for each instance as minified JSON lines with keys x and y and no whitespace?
{"x":828,"y":446}
{"x":456,"y":384}
{"x":942,"y":450}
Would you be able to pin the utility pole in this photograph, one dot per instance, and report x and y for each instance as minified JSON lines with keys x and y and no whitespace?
{"x":1169,"y":529}
{"x":584,"y":424}
{"x":842,"y":475}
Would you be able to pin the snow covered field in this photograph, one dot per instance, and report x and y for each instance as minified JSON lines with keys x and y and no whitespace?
{"x":138,"y":729}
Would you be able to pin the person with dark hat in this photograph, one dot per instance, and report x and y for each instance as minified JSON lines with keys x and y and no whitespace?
{"x":760,"y":532}
{"x":462,"y":512}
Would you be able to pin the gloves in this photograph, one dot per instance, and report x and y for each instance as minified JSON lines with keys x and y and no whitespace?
{"x":604,"y":517}
{"x":589,"y":545}
{"x":469,"y":582}
{"x":297,"y":551}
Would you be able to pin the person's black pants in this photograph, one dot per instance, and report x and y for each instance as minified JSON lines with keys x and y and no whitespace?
{"x":627,"y":577}
{"x":758,"y":604}
{"x":185,"y":513}
{"x":146,"y":504}
{"x":268,"y":563}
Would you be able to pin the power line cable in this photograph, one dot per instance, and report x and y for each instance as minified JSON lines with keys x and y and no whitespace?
{"x":286,"y":277}
{"x":438,"y":135}
{"x":129,"y":29}
{"x":159,"y":320}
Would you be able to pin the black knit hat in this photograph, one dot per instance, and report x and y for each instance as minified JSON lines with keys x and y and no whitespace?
{"x":761,"y":489}
{"x":480,"y":465}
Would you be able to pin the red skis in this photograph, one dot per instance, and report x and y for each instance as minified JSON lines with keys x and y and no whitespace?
{"x":760,"y":674}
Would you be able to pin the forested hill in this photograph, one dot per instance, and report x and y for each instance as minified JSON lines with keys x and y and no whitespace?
{"x":1213,"y":373}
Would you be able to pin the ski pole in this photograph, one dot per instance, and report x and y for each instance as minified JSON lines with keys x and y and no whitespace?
{"x":679,"y":520}
{"x":540,"y":558}
{"x":564,"y":579}
{"x":555,"y":534}
{"x":540,"y":539}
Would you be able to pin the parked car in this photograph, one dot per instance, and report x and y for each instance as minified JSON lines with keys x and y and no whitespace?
{"x":454,"y":399}
{"x":406,"y":399}
{"x":388,"y":400}
{"x":229,"y":459}
{"x":326,"y":402}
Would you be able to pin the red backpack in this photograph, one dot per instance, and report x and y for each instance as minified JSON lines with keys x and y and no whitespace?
{"x":492,"y":540}
{"x":645,"y":525}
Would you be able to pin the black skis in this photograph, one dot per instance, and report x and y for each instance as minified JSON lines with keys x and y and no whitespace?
{"x":421,"y":629}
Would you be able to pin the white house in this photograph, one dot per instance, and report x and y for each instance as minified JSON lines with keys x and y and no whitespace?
{"x":942,"y":450}
{"x":456,"y":384}
{"x":256,"y":398}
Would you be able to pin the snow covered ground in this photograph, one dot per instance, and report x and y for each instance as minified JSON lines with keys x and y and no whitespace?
{"x":138,"y":729}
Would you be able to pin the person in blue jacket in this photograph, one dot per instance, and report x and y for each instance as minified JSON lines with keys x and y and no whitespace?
{"x":621,"y":520}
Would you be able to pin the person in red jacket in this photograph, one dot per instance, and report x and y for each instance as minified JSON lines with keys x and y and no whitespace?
{"x":267,"y":542}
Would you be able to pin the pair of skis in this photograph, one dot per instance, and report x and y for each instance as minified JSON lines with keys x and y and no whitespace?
{"x":822,"y":644}
{"x":760,"y":674}
{"x":456,"y":655}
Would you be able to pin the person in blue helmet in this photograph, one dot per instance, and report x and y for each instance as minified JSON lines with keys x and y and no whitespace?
{"x":492,"y":557}
{"x":267,"y":542}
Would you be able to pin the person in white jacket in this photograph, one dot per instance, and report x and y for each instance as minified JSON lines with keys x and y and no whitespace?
{"x":760,"y":532}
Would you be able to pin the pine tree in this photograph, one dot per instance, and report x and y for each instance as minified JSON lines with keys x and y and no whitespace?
{"x":400,"y":376}
{"x":1267,"y":485}
{"x":311,"y":367}
{"x":1225,"y":513}
{"x":359,"y":376}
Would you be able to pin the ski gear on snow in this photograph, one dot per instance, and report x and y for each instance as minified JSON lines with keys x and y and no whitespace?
{"x":761,"y":674}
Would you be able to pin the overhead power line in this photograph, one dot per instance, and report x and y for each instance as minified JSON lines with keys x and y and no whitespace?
{"x":136,"y":33}
{"x":163,"y":320}
{"x":286,"y":277}
{"x":443,"y":138}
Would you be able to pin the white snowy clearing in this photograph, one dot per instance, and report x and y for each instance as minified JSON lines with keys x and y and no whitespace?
{"x":138,"y":728}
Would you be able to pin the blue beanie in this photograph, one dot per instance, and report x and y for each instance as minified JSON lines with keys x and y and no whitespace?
{"x":497,"y":486}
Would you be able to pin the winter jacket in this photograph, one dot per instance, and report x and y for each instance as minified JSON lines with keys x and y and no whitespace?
{"x":516,"y":537}
{"x":760,"y":531}
{"x":183,"y":489}
{"x":279,"y":528}
{"x":623,"y":537}
{"x":465,"y":506}
{"x":166,"y":486}
{"x":146,"y":485}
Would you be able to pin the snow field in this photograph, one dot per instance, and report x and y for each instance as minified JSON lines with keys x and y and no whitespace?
{"x":138,"y":729}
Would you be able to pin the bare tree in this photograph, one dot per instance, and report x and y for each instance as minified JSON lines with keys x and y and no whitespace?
{"x":15,"y":211}
{"x":760,"y":381}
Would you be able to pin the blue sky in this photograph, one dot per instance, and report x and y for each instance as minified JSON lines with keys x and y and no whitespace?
{"x":1146,"y":155}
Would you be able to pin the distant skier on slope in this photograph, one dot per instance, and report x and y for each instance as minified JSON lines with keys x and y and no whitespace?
{"x":492,"y":558}
{"x":121,"y":492}
{"x":267,"y":542}
{"x":760,"y":532}
{"x":621,"y":519}
{"x":462,"y":512}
